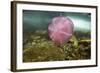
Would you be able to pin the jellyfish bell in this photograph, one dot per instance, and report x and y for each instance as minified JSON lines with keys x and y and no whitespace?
{"x":60,"y":29}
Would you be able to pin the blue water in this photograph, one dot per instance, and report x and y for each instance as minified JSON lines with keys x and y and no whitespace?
{"x":37,"y":20}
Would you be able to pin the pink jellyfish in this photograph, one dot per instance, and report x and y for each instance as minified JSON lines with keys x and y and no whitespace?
{"x":60,"y":29}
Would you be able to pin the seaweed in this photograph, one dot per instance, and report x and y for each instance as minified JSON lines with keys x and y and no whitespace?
{"x":38,"y":47}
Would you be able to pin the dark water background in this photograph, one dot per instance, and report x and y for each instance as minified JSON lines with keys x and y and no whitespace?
{"x":34,"y":20}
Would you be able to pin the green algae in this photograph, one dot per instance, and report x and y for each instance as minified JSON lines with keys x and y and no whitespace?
{"x":38,"y":47}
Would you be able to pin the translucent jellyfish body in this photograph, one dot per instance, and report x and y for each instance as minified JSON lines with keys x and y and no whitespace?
{"x":60,"y":29}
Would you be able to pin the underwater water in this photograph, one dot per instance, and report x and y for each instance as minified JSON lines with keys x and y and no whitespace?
{"x":37,"y":45}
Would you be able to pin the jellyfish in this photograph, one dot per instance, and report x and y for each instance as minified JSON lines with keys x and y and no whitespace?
{"x":60,"y":30}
